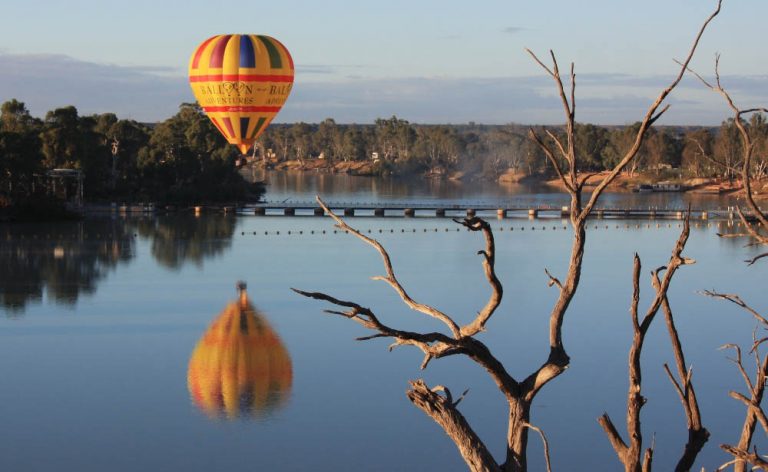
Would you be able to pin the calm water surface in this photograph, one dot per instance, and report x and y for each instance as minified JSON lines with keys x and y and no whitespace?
{"x":123,"y":345}
{"x":302,"y":187}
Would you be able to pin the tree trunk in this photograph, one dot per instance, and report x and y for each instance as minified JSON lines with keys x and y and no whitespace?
{"x":517,"y":435}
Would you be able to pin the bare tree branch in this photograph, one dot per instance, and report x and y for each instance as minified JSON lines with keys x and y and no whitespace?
{"x":697,"y":433}
{"x":756,"y":258}
{"x":558,"y":359}
{"x":552,"y":159}
{"x":390,"y":277}
{"x":711,"y":158}
{"x":583,"y":181}
{"x":647,"y":459}
{"x":754,"y":411}
{"x":723,"y":466}
{"x":443,"y":411}
{"x":757,"y":410}
{"x":545,"y":442}
{"x":519,"y":395}
{"x":740,"y":365}
{"x":630,"y":455}
{"x":735,"y":299}
{"x":746,"y":456}
{"x":489,"y":264}
{"x":559,"y":144}
{"x":747,"y":149}
{"x":553,"y":280}
{"x":650,"y":117}
{"x":748,"y":226}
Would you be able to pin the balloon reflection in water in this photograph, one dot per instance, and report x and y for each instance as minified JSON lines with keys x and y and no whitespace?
{"x":240,"y":368}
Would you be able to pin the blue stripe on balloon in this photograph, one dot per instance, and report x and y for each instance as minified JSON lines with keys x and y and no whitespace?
{"x":247,"y":57}
{"x":244,"y":122}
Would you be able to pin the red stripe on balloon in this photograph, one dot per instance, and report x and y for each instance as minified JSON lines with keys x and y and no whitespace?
{"x":217,"y":56}
{"x":199,"y":52}
{"x":218,"y":125}
{"x":230,"y":129}
{"x":241,"y":78}
{"x":247,"y":109}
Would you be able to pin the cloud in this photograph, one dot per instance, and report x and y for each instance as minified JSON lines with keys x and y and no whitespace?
{"x":601,"y":98}
{"x":158,"y":70}
{"x":513,"y":29}
{"x":45,"y":82}
{"x":328,"y":69}
{"x":315,"y":69}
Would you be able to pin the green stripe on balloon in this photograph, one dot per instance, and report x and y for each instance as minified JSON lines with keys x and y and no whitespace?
{"x":275,"y":61}
{"x":259,"y":124}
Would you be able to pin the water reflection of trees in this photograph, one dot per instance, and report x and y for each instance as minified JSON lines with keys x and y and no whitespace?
{"x":177,"y":239}
{"x":66,"y":260}
{"x":61,"y":260}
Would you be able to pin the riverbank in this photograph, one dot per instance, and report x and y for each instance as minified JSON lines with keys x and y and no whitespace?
{"x":653,"y":183}
{"x":361,"y":168}
{"x":622,"y":183}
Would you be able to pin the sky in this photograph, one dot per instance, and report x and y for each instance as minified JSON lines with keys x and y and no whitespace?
{"x":426,"y":61}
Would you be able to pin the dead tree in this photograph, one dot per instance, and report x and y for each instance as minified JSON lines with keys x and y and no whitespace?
{"x":632,"y":455}
{"x":437,"y":402}
{"x":741,"y":452}
{"x":748,"y":149}
{"x":755,"y":414}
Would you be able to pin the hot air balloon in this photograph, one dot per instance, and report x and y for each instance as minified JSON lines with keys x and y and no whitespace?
{"x":241,"y":81}
{"x":239,"y":368}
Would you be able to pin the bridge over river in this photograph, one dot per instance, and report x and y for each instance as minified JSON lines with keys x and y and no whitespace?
{"x":455,"y":210}
{"x":423,"y":209}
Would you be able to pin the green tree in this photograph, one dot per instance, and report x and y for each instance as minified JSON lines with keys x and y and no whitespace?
{"x":354,"y":144}
{"x":697,"y":147}
{"x":758,"y":130}
{"x":394,"y":138}
{"x":20,"y":156}
{"x":620,"y":141}
{"x":663,"y":151}
{"x":727,"y":149}
{"x":590,"y":144}
{"x":61,"y":138}
{"x":301,"y":140}
{"x":188,"y":160}
{"x":438,"y":146}
{"x":329,"y":140}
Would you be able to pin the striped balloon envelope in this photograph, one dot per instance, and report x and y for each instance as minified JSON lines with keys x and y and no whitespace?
{"x":240,"y":367}
{"x":241,"y":81}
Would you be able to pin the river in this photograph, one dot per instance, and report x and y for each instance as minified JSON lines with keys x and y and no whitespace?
{"x":117,"y":336}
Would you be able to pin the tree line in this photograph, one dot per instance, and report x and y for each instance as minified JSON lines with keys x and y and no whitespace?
{"x":400,"y":147}
{"x":183,"y":159}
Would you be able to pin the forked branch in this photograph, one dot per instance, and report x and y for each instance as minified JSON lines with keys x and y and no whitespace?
{"x":632,"y":455}
{"x":438,"y":402}
{"x":558,"y":359}
{"x":654,"y":112}
{"x":743,"y":455}
{"x":697,"y":433}
{"x":489,"y":266}
{"x":390,"y":278}
{"x":755,"y":412}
